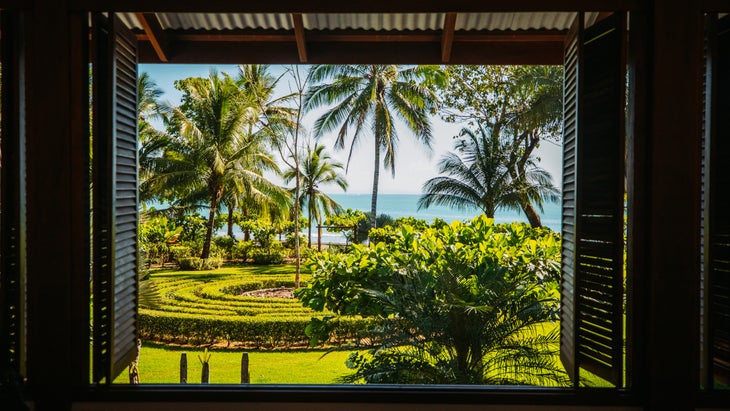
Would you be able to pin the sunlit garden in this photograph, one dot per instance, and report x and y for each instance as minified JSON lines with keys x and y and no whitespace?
{"x":236,"y":182}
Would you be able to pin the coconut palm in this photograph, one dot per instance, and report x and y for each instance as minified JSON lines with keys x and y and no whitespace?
{"x":269,"y":120}
{"x":151,"y":140}
{"x":369,"y":99}
{"x":480,"y":174}
{"x":211,"y":148}
{"x":317,"y":169}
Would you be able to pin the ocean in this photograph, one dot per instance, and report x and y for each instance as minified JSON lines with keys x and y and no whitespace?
{"x":404,"y":205}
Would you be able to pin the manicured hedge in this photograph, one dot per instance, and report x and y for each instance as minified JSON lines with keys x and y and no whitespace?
{"x":207,"y":307}
{"x":266,"y":332}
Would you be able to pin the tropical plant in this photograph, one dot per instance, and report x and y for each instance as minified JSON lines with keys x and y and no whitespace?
{"x":373,"y":97}
{"x":151,"y":140}
{"x":268,"y":120}
{"x":522,"y":103}
{"x":347,"y":223}
{"x":480,"y":175}
{"x":212,"y":149}
{"x":461,"y":304}
{"x":317,"y":169}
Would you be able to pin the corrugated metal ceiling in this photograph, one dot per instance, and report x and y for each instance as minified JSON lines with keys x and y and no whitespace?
{"x":402,"y":21}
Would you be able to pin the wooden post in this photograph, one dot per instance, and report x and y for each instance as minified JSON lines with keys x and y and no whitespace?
{"x":205,"y":377}
{"x":133,"y":366}
{"x":183,"y":368}
{"x":319,"y":237}
{"x":245,"y":376}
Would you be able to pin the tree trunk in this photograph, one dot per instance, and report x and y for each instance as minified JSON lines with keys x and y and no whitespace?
{"x":297,"y":211}
{"x":209,"y":229}
{"x":376,"y":178}
{"x":532,"y":216}
{"x":231,"y":209}
{"x":309,"y":220}
{"x":531,"y":140}
{"x":246,"y":232}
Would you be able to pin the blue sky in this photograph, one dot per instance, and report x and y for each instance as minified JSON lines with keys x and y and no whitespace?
{"x":413,"y":167}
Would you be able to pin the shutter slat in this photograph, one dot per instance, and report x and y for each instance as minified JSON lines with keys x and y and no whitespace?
{"x":116,"y":199}
{"x":593,"y":192}
{"x":570,"y":123}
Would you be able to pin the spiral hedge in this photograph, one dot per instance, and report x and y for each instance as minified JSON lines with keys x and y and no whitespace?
{"x":195,"y":307}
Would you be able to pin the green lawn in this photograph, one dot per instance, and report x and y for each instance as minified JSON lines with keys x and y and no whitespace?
{"x":160,"y":364}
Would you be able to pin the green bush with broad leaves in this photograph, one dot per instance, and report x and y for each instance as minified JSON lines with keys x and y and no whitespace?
{"x":465,"y":303}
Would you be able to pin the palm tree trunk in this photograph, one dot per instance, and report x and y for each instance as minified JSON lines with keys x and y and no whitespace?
{"x":376,"y":178}
{"x":209,"y":230}
{"x":309,"y":220}
{"x":532,"y":216}
{"x":230,"y":220}
{"x":531,"y":140}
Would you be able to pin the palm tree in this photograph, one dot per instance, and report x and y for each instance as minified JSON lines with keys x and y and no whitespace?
{"x":480,"y":175}
{"x":211,"y":149}
{"x":372,"y":97}
{"x":317,"y":168}
{"x":151,"y":140}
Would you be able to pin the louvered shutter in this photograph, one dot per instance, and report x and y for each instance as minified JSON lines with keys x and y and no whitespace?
{"x":12,"y":288}
{"x":717,"y":189}
{"x":592,"y":284}
{"x":115,"y":198}
{"x":570,"y":133}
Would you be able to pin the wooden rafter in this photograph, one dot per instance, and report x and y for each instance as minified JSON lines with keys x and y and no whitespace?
{"x":299,"y":35}
{"x":371,"y":6}
{"x":447,"y":37}
{"x":361,"y":36}
{"x":155,"y":34}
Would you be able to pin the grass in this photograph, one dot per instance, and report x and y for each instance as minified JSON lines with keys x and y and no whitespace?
{"x":160,"y":364}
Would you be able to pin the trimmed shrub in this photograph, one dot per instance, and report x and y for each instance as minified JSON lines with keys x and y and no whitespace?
{"x":273,"y":255}
{"x":212,"y":263}
{"x":197,"y":263}
{"x":242,"y":250}
{"x":225,"y":246}
{"x":190,"y":263}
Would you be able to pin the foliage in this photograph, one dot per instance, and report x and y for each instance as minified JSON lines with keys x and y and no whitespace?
{"x":464,"y":303}
{"x":522,"y":105}
{"x":225,"y":245}
{"x":479,"y":174}
{"x":273,"y":254}
{"x":154,"y":236}
{"x":199,"y":264}
{"x":342,"y":221}
{"x":242,"y":250}
{"x":364,"y":226}
{"x":316,"y":169}
{"x":216,"y":150}
{"x":375,"y":97}
{"x":205,"y":308}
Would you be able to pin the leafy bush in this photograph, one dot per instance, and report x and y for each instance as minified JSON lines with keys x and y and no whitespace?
{"x":225,"y":245}
{"x":274,"y":254}
{"x":461,"y":303}
{"x":242,"y":250}
{"x":198,"y":264}
{"x":212,"y":263}
{"x":180,"y":251}
{"x":190,"y":263}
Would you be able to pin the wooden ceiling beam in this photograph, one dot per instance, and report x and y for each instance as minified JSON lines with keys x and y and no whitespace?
{"x":549,"y":53}
{"x":447,"y":36}
{"x":155,"y":34}
{"x":371,"y":6}
{"x":299,"y":35}
{"x":358,"y":36}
